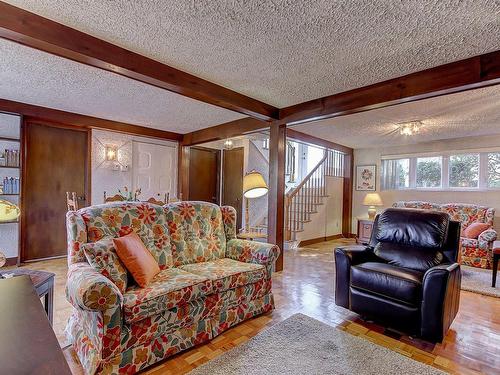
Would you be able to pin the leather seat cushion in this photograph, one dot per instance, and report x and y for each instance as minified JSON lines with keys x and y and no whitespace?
{"x":170,"y":288}
{"x":226,"y":274}
{"x":399,"y":284}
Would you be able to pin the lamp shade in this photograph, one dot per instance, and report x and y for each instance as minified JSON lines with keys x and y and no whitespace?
{"x":8,"y":211}
{"x":372,"y":199}
{"x":254,"y":185}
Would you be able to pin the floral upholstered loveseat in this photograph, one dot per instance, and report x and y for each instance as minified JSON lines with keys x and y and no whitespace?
{"x":209,"y":281}
{"x":474,"y":252}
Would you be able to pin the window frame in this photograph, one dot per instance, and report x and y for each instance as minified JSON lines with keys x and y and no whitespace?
{"x":445,"y":170}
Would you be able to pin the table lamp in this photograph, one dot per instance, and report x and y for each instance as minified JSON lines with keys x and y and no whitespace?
{"x":254,"y":186}
{"x":372,"y":200}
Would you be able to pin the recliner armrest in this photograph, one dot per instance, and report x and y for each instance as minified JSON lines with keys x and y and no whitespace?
{"x":441,"y":298}
{"x":345,"y":257}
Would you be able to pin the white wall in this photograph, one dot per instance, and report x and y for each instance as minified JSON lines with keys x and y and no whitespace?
{"x":328,"y":220}
{"x":372,"y":156}
{"x":104,"y":177}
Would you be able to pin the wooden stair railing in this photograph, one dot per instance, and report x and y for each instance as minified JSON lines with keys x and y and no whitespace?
{"x":301,"y":202}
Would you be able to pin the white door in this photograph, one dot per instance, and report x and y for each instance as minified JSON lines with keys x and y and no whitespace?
{"x":154,"y":169}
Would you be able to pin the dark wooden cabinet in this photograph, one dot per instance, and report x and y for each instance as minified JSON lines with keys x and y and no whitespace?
{"x":365,"y":227}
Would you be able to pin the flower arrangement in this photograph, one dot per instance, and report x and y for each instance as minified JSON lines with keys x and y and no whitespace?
{"x":128,"y":195}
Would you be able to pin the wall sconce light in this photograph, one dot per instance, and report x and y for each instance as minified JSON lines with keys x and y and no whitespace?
{"x":111,"y":153}
{"x":228,"y":144}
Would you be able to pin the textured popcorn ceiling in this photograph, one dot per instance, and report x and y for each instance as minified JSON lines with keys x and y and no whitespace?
{"x":286,"y":52}
{"x":34,"y":77}
{"x":469,"y":113}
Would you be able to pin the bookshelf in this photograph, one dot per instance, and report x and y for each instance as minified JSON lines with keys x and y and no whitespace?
{"x":10,"y":139}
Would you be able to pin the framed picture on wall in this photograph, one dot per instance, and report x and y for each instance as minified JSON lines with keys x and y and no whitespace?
{"x":366,"y":176}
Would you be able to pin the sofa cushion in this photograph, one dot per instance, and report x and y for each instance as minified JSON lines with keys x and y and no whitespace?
{"x":171,"y":287}
{"x":412,"y":227}
{"x":475,"y":229}
{"x":117,"y":219}
{"x":136,"y":258}
{"x":197,"y":232}
{"x":467,"y":214}
{"x":400,"y":284}
{"x":102,"y":256}
{"x":227,"y":273}
{"x":417,"y":258}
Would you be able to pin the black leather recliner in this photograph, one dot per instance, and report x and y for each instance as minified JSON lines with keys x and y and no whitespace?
{"x":407,"y":277}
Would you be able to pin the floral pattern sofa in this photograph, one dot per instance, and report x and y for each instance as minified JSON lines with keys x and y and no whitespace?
{"x":209,"y":281}
{"x":474,"y":252}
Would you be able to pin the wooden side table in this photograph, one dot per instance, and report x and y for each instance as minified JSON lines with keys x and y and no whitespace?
{"x":365,"y":227}
{"x":44,"y":286}
{"x":496,"y":258}
{"x":28,"y":344}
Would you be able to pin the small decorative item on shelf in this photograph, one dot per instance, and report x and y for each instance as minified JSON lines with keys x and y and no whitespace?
{"x":11,"y":185}
{"x":11,"y":158}
{"x":8,"y":211}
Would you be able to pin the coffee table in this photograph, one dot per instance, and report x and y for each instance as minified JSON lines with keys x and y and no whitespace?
{"x":44,"y":285}
{"x":496,"y":258}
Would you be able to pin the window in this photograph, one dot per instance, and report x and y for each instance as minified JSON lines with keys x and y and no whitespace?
{"x":395,"y":174}
{"x":493,"y":170}
{"x":449,"y":171}
{"x":429,"y":172}
{"x":464,"y":171}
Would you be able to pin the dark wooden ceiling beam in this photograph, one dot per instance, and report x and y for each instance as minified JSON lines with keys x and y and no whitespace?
{"x":475,"y":72}
{"x":306,"y":138}
{"x":43,"y":34}
{"x":78,"y":120}
{"x":224,"y":131}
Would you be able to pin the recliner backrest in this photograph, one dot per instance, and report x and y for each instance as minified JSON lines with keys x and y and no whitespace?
{"x":414,"y":239}
{"x":426,"y":229}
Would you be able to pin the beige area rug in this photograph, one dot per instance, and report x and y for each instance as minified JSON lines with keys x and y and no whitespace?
{"x":303,"y":345}
{"x":478,"y":280}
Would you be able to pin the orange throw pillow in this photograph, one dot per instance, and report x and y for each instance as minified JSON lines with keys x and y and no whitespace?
{"x":136,"y":258}
{"x":475,"y":229}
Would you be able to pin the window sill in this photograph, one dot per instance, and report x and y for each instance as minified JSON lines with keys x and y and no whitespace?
{"x":442,"y":190}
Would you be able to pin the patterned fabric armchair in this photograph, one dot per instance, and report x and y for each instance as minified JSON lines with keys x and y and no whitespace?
{"x":474,"y":252}
{"x":209,"y":281}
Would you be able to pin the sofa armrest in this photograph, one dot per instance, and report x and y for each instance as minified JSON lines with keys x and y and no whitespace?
{"x":486,"y":238}
{"x":345,"y":257}
{"x":252,"y":251}
{"x":441,"y":297}
{"x":87,"y":289}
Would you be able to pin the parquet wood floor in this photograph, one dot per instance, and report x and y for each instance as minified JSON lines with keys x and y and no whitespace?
{"x":472,"y":346}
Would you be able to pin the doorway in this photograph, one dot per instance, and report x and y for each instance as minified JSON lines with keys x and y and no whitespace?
{"x":204,"y":175}
{"x":232,"y":180}
{"x":56,"y":161}
{"x":153,"y":169}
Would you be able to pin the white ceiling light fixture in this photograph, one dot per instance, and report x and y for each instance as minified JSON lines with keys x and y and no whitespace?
{"x":410,"y":128}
